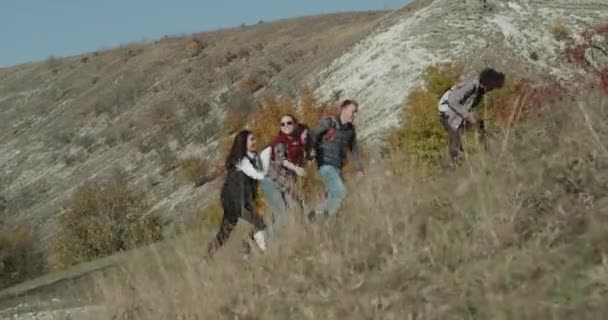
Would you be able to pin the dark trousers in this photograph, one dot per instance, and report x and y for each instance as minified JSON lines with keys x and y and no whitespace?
{"x":454,"y":140}
{"x":232,"y":213}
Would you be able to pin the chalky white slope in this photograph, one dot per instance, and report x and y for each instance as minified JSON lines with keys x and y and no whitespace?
{"x":381,"y":69}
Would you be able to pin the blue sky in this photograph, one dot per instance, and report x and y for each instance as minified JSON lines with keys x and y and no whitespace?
{"x":32,"y":30}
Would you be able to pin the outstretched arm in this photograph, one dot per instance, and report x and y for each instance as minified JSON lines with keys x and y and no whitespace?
{"x":249,"y":170}
{"x":318,"y":132}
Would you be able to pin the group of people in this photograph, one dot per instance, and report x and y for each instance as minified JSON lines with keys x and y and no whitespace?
{"x":278,"y":166}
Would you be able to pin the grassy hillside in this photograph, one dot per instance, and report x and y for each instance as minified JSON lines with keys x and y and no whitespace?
{"x":519,"y":234}
{"x":149,"y":113}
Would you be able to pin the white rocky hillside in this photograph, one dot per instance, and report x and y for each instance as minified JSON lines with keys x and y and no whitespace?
{"x":381,"y":70}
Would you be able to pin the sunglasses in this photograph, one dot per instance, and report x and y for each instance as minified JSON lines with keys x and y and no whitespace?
{"x":288,"y":123}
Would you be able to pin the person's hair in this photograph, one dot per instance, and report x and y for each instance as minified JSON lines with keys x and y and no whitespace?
{"x":238,"y":150}
{"x":295,"y":120}
{"x":491,"y":78}
{"x":308,"y":142}
{"x":348,"y":102}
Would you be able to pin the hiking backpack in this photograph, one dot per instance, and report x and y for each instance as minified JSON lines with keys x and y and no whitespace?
{"x":333,"y":128}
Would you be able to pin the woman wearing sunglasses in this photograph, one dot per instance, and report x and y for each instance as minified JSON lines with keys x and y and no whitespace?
{"x":287,"y":159}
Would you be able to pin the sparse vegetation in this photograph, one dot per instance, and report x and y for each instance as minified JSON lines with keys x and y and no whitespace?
{"x":194,"y":47}
{"x":575,"y":50}
{"x":193,"y":168}
{"x":102,"y":218}
{"x":490,"y":241}
{"x":560,"y":32}
{"x":19,"y":259}
{"x":230,"y":56}
{"x":420,"y":142}
{"x":211,"y":216}
{"x":111,"y":86}
{"x":252,"y":83}
{"x":244,"y":53}
{"x":234,"y":121}
{"x":275,"y":67}
{"x":166,"y":158}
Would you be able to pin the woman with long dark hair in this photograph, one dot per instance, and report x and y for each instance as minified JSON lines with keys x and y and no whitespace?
{"x":287,"y":159}
{"x":239,"y":192}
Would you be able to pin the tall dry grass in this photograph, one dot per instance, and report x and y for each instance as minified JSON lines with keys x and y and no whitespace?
{"x":521,"y":234}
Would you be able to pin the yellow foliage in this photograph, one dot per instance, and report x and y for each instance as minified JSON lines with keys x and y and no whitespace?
{"x":234,"y":121}
{"x":265,"y":124}
{"x":420,"y":141}
{"x":265,"y":121}
{"x":440,"y":77}
{"x":310,"y":111}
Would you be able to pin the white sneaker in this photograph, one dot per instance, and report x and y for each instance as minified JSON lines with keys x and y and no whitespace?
{"x":260,"y":239}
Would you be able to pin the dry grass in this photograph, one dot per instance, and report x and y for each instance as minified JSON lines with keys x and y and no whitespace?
{"x":18,"y":258}
{"x":102,"y":218}
{"x":560,"y":31}
{"x":520,"y":235}
{"x":193,"y":168}
{"x":194,"y":47}
{"x":252,"y":83}
{"x":147,"y":84}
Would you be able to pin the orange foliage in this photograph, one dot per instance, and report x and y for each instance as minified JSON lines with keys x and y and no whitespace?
{"x":234,"y":121}
{"x":194,"y":48}
{"x":526,"y":100}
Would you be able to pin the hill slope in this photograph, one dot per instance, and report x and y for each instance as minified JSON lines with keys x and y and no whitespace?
{"x":108,"y":110}
{"x":66,"y":121}
{"x":382,"y":68}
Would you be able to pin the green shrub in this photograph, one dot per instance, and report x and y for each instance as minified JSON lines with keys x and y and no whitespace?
{"x":103,"y":218}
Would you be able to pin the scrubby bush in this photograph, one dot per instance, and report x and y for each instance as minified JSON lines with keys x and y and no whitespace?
{"x":560,"y":32}
{"x":264,"y":123}
{"x":193,"y":168}
{"x":420,"y":140}
{"x":211,"y":216}
{"x":575,"y":50}
{"x":234,"y":121}
{"x":230,"y":55}
{"x":523,"y":100}
{"x":244,"y":53}
{"x":18,"y":257}
{"x":275,"y":66}
{"x":252,"y":83}
{"x":103,"y":218}
{"x":521,"y":236}
{"x":194,"y":47}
